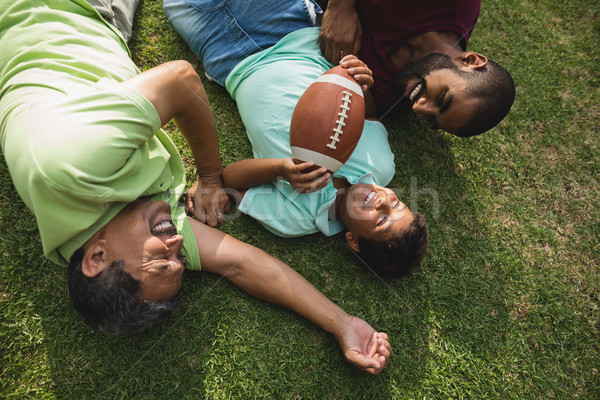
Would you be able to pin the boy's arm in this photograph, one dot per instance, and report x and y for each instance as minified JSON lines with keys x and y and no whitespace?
{"x":267,"y":278}
{"x":244,"y":174}
{"x":176,"y":92}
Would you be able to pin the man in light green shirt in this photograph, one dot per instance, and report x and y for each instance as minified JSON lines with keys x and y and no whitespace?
{"x":80,"y":130}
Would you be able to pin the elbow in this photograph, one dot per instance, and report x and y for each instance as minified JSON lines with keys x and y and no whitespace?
{"x":259,"y":273}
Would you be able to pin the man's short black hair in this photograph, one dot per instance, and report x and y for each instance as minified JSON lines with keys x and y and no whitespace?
{"x":110,"y":302}
{"x":400,"y":254}
{"x":494,"y":89}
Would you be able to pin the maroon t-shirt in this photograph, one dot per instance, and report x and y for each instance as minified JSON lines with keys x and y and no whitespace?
{"x":388,"y":23}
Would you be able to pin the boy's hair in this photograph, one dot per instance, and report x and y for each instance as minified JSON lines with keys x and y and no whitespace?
{"x":110,"y":302}
{"x":400,"y":254}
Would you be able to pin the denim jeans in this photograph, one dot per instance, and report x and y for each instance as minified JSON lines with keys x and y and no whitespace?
{"x":221,"y":33}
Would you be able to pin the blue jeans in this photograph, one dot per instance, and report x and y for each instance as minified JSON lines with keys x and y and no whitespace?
{"x":221,"y":33}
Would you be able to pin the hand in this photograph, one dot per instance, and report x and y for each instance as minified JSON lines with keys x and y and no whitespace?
{"x":304,"y":182}
{"x":207,"y":200}
{"x":340,"y":31}
{"x":364,"y":347}
{"x":359,"y":71}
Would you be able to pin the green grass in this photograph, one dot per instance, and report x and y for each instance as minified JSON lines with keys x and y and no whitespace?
{"x":506,"y":304}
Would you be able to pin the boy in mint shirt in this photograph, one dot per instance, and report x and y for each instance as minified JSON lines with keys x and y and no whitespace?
{"x":266,"y":55}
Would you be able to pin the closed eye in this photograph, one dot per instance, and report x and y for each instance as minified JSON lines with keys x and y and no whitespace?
{"x":382,"y":220}
{"x":445,"y":102}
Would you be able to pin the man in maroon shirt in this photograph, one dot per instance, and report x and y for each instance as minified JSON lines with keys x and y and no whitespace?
{"x":417,"y":52}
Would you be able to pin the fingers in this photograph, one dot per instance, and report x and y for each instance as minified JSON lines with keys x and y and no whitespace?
{"x":310,"y":181}
{"x":223,"y":205}
{"x":365,"y":363}
{"x":359,"y":71}
{"x":189,"y":203}
{"x":208,"y":204}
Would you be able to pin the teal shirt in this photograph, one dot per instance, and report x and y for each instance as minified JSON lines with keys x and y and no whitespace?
{"x":266,"y":87}
{"x":79,"y":146}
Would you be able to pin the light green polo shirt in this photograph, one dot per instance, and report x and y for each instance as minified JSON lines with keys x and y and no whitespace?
{"x":79,"y":146}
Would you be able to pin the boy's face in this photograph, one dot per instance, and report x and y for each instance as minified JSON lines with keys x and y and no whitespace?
{"x":374,"y":212}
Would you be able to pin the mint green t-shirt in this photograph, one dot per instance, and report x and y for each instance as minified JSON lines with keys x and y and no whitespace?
{"x":79,"y":145}
{"x":266,"y":87}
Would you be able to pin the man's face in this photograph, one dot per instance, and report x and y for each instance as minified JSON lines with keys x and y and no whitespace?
{"x":374,"y":212}
{"x":437,"y":92}
{"x":143,"y":236}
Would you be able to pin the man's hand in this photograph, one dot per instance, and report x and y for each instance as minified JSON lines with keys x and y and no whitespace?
{"x":341,"y":32}
{"x":207,"y":200}
{"x":364,"y":347}
{"x":304,"y":182}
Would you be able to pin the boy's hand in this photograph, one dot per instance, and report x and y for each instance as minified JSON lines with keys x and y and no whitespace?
{"x":359,"y":71}
{"x":304,"y":182}
{"x":207,"y":200}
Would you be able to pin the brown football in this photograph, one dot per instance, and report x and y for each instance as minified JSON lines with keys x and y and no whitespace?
{"x":328,"y":120}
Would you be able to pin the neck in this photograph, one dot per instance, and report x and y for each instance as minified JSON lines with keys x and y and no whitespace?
{"x":341,"y":185}
{"x":424,"y":44}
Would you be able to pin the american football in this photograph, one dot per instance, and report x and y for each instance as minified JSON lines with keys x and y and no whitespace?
{"x":328,"y":120}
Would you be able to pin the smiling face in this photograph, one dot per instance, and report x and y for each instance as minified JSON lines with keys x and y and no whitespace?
{"x":437,"y":92}
{"x":143,"y":236}
{"x":373,"y":212}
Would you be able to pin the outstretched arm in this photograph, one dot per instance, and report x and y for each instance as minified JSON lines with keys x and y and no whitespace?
{"x":244,"y":174}
{"x":341,"y":31}
{"x":267,"y":278}
{"x":177,"y":93}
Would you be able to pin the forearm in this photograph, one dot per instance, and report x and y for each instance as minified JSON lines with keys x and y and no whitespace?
{"x":270,"y":279}
{"x":341,"y":4}
{"x":196,"y":123}
{"x":176,"y":92}
{"x":244,"y":174}
{"x":265,"y":277}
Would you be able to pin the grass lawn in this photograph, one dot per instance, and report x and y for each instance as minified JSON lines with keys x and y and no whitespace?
{"x":505,"y":305}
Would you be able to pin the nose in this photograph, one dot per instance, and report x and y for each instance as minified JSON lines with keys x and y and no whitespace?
{"x":424,"y":108}
{"x":381,"y":201}
{"x":175,"y":244}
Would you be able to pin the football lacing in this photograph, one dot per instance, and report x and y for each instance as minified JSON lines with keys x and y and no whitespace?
{"x":338,"y":130}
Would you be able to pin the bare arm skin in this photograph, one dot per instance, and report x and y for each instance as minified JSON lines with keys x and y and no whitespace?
{"x":267,"y":278}
{"x":341,"y":31}
{"x":177,"y":93}
{"x":244,"y":174}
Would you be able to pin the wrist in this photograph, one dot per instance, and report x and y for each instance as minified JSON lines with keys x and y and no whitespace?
{"x":338,"y":5}
{"x":213,"y":174}
{"x":281,"y":170}
{"x":339,"y":324}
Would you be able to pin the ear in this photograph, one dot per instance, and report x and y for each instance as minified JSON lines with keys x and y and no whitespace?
{"x":95,"y":259}
{"x":473,"y":61}
{"x":352,"y":241}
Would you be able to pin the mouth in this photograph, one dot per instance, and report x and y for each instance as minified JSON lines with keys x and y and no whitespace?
{"x":416,"y":91}
{"x":164,"y":228}
{"x":370,"y":197}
